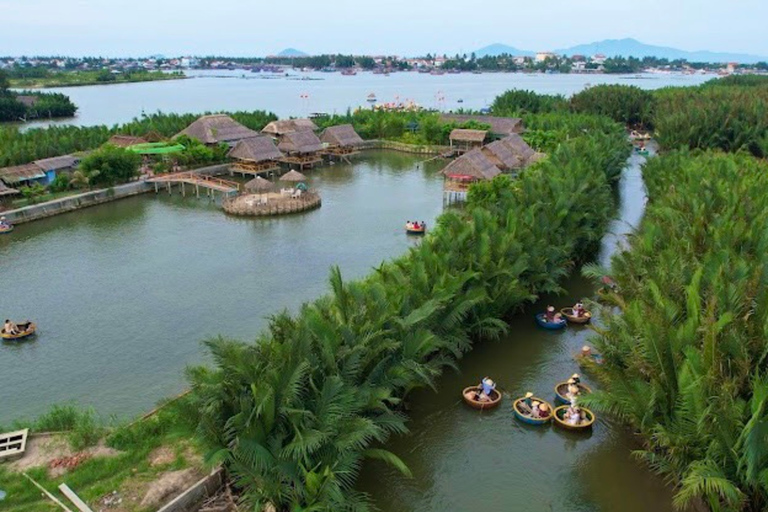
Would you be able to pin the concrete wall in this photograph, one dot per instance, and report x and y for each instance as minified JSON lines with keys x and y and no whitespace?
{"x":192,"y":498}
{"x":71,"y":203}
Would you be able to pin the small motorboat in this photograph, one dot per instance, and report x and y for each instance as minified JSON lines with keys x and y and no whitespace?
{"x":5,"y":228}
{"x":562,"y":422}
{"x":460,"y":100}
{"x":477,"y":404}
{"x":569,"y":314}
{"x":553,"y":326}
{"x":26,"y":330}
{"x":561,"y":392}
{"x":525,"y":416}
{"x":371,"y":98}
{"x":415,"y":228}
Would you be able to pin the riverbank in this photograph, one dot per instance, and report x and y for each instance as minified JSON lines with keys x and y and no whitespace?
{"x":65,"y":79}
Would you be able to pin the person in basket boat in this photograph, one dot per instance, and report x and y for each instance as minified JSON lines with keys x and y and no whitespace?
{"x":578,"y":310}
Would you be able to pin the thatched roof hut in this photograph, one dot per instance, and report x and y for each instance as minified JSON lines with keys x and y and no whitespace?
{"x":285,"y":126}
{"x":343,"y":135}
{"x":255,"y":149}
{"x":217,"y":128}
{"x":293,"y":175}
{"x":464,"y":135}
{"x":473,"y":165}
{"x":259,"y":184}
{"x":7,"y":191}
{"x":20,"y":173}
{"x":500,"y":126}
{"x":123,"y":141}
{"x":28,"y":100}
{"x":518,"y":146}
{"x":58,"y":163}
{"x":300,"y":142}
{"x":502,"y":156}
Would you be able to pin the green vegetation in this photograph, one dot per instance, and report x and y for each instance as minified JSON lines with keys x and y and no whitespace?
{"x":628,"y":105}
{"x":43,"y":77}
{"x":129,"y":471}
{"x":17,"y":147}
{"x":44,"y":105}
{"x":110,"y":165}
{"x":685,"y":361}
{"x":294,"y":415}
{"x":518,"y":101}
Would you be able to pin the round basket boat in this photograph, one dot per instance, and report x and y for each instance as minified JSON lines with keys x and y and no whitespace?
{"x":560,"y":421}
{"x":552,"y":326}
{"x":411,"y":230}
{"x":562,"y":388}
{"x":527,"y":418}
{"x":571,"y":317}
{"x":6,"y":229}
{"x":25,"y":330}
{"x":475,"y":404}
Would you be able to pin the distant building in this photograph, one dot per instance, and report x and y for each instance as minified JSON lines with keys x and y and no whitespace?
{"x":598,"y":58}
{"x":542,"y":56}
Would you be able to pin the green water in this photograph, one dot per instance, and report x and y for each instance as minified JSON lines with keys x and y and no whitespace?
{"x":465,"y":460}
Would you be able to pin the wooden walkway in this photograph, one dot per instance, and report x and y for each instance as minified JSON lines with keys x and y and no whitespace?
{"x":210,"y":183}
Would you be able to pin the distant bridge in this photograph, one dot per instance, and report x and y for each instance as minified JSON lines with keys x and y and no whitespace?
{"x":210,"y":183}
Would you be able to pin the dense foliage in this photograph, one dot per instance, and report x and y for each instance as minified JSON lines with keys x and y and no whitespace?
{"x":685,"y":361}
{"x":110,"y":165}
{"x":730,"y":118}
{"x":45,"y":106}
{"x":516,"y":102}
{"x":625,"y":104}
{"x":17,"y":147}
{"x":45,"y":77}
{"x":294,"y":414}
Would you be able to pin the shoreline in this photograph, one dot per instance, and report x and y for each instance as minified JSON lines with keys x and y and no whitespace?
{"x":38,"y":86}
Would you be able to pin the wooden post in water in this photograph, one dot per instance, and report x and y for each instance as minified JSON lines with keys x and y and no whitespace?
{"x":197,"y":190}
{"x":183,"y":190}
{"x":156,"y":189}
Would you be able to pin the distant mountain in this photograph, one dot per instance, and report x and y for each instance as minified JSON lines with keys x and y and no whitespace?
{"x":496,"y":49}
{"x":292,"y":52}
{"x":634,"y":48}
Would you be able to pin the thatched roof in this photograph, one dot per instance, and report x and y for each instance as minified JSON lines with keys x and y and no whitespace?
{"x":300,"y":142}
{"x":343,"y":135}
{"x":516,"y":144}
{"x":499,"y":125}
{"x":57,"y":163}
{"x":28,"y":100}
{"x":462,"y":135}
{"x":123,"y":141}
{"x":217,"y":128}
{"x":255,"y":149}
{"x":19,"y":173}
{"x":259,"y":184}
{"x":473,"y":164}
{"x":293,"y":175}
{"x":7,"y":191}
{"x":502,"y":156}
{"x":289,"y":126}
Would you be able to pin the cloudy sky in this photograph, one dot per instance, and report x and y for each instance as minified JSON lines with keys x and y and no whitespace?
{"x":401,"y":27}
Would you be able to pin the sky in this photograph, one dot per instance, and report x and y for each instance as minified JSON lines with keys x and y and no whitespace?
{"x":137,"y":28}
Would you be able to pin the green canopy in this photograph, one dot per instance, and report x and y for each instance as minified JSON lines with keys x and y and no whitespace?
{"x":156,"y":148}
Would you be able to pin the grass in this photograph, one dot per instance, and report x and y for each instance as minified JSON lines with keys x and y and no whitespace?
{"x":48,"y":196}
{"x":98,"y":476}
{"x":80,"y":78}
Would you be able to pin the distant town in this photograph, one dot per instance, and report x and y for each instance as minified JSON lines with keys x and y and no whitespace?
{"x":20,"y":68}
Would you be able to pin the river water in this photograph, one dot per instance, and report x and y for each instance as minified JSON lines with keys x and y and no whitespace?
{"x":326,"y":92}
{"x":465,"y":460}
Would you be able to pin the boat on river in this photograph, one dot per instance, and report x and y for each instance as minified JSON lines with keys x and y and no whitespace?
{"x":415,"y":229}
{"x":561,"y":392}
{"x":6,"y":228}
{"x":26,"y":330}
{"x":371,"y":98}
{"x":477,"y":404}
{"x":525,"y":416}
{"x":553,"y":326}
{"x":569,"y":314}
{"x":585,"y":424}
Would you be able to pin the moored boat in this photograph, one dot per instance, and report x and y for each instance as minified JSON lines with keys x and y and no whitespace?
{"x":6,"y":228}
{"x":562,"y":422}
{"x":569,"y":314}
{"x":526,"y":417}
{"x":561,"y":392}
{"x":556,"y":325}
{"x":415,"y":229}
{"x":26,"y":330}
{"x":477,"y":404}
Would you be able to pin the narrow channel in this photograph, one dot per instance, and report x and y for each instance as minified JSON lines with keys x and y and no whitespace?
{"x":465,"y":460}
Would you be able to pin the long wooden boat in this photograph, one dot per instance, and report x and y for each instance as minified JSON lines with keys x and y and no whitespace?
{"x":7,"y":228}
{"x":561,"y":391}
{"x":571,"y":317}
{"x":560,"y":421}
{"x":412,"y":230}
{"x":527,"y":418}
{"x":476,"y":404}
{"x":29,"y":329}
{"x":553,"y":326}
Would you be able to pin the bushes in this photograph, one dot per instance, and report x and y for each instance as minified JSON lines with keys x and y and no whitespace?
{"x":110,"y":165}
{"x":294,"y":415}
{"x":517,"y":102}
{"x":628,"y":105}
{"x":685,"y":362}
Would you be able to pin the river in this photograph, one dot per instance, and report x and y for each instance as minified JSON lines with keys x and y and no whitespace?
{"x":465,"y":460}
{"x":326,"y":92}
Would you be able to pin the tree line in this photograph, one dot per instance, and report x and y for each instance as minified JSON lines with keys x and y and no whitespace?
{"x":45,"y":105}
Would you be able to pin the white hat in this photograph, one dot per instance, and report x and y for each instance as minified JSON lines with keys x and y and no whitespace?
{"x":536,"y":404}
{"x":575,"y":376}
{"x":528,"y":395}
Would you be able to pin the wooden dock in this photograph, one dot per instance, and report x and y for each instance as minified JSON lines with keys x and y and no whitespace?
{"x":210,"y":184}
